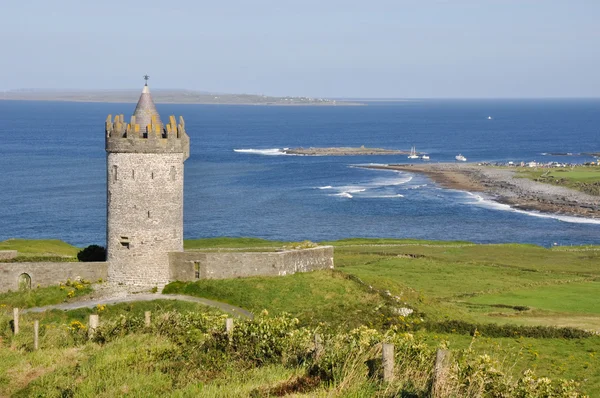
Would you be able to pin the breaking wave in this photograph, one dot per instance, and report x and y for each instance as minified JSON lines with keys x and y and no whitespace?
{"x":481,"y":201}
{"x":266,"y":152}
{"x":380,"y":187}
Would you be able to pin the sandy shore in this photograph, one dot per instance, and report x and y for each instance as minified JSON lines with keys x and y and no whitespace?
{"x":502,"y":186}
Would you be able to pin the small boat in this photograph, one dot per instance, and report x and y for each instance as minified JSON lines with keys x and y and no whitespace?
{"x":425,"y":157}
{"x":413,"y":153}
{"x":460,"y":158}
{"x":489,"y":118}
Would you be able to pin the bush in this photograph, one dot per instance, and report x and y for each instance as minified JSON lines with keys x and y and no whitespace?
{"x":508,"y":330}
{"x":92,"y":253}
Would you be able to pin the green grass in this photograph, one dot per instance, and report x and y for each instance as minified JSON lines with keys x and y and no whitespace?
{"x":575,"y":359}
{"x":576,"y":174}
{"x":580,"y":298}
{"x":389,"y":241}
{"x":582,"y":178}
{"x":440,"y":280}
{"x":212,"y":243}
{"x":315,"y":297}
{"x":41,"y":296}
{"x":40,"y":247}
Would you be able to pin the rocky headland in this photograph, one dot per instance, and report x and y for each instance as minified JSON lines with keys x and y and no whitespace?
{"x":344,"y":151}
{"x":503,"y":186}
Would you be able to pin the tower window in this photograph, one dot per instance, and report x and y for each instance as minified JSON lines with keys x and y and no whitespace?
{"x":152,"y":175}
{"x":125,"y":241}
{"x":197,"y":270}
{"x":133,"y":174}
{"x":148,"y":213}
{"x":115,"y":175}
{"x":173,"y":173}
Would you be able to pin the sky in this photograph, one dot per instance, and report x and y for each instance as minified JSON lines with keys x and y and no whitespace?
{"x":315,"y":48}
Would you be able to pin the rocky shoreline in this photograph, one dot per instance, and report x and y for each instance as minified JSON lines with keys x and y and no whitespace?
{"x":502,"y":186}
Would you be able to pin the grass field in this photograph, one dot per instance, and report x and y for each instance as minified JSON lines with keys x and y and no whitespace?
{"x":582,"y":178}
{"x":40,"y":247}
{"x":441,"y":281}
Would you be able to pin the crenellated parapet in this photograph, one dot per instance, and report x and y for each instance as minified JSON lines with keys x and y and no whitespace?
{"x":151,"y":138}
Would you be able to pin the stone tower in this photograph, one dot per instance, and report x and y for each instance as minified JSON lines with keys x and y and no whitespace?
{"x":144,"y":194}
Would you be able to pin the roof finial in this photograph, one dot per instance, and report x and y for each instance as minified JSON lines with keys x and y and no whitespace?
{"x":146,"y":77}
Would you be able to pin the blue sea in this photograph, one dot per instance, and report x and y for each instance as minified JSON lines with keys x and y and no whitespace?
{"x":237,"y":182}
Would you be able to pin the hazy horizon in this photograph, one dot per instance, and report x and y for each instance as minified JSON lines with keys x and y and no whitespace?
{"x":336,"y":49}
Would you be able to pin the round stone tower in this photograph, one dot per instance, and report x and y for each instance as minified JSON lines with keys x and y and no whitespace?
{"x":144,"y":194}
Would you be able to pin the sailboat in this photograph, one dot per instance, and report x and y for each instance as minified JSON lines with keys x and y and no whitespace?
{"x":413,"y":153}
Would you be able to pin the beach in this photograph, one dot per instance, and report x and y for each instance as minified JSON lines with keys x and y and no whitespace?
{"x":502,"y":186}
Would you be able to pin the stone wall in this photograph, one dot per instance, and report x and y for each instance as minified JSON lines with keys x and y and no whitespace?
{"x":49,"y":273}
{"x":189,"y":266}
{"x":8,"y":254}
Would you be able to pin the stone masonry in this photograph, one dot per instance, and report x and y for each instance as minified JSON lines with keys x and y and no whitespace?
{"x":7,"y":254}
{"x":144,"y":194}
{"x":191,"y":266}
{"x":49,"y":273}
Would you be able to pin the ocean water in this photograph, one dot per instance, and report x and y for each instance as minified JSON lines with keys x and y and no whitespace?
{"x":237,"y":182}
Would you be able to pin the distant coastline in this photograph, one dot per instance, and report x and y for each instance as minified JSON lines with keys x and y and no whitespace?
{"x":168,"y":97}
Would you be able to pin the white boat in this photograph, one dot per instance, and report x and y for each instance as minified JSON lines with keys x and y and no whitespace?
{"x":460,"y":158}
{"x":413,"y":153}
{"x":489,"y":118}
{"x":425,"y":157}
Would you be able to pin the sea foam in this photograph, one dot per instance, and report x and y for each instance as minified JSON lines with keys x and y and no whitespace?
{"x":481,"y":201}
{"x":266,"y":152}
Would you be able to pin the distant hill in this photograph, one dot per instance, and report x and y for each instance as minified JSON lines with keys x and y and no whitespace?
{"x":164,"y":96}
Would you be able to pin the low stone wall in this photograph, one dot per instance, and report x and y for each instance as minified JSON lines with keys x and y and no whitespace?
{"x":8,"y":254}
{"x":189,"y":266}
{"x":49,"y":273}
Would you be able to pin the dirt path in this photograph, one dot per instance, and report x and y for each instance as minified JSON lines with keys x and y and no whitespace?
{"x":230,"y":309}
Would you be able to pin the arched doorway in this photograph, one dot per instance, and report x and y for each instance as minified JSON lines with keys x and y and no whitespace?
{"x":24,"y":282}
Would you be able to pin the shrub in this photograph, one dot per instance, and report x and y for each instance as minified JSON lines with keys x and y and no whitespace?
{"x":92,"y":253}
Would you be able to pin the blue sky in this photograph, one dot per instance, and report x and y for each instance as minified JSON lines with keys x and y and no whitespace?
{"x":329,"y":48}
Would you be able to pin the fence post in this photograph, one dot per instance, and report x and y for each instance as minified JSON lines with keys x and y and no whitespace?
{"x":16,"y":320}
{"x":147,"y":318}
{"x":94,"y":322}
{"x":318,"y":345}
{"x":36,"y":334}
{"x":439,"y":371}
{"x":388,"y":362}
{"x":229,"y":328}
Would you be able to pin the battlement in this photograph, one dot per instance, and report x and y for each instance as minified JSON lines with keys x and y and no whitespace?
{"x":151,"y":138}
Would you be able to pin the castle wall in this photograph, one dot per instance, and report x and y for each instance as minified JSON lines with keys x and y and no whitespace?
{"x":49,"y":273}
{"x":8,"y":254}
{"x":144,"y":215}
{"x":189,"y":266}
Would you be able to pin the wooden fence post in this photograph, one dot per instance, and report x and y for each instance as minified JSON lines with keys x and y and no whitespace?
{"x":388,"y":362}
{"x":439,"y":372}
{"x":93,"y":325}
{"x":229,"y":328}
{"x":147,"y":318}
{"x":16,"y":320}
{"x":36,"y":334}
{"x":318,"y":345}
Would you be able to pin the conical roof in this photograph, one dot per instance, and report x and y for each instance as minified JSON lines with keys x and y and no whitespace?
{"x":145,"y":109}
